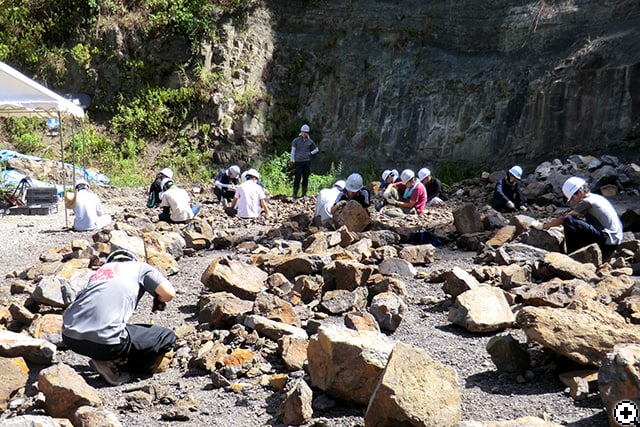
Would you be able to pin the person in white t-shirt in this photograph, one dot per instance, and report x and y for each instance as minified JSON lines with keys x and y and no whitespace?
{"x":88,"y":211}
{"x":326,"y":199}
{"x":250,"y":199}
{"x":176,"y":204}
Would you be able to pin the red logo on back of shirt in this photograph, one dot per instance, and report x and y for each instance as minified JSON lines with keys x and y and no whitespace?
{"x":104,"y":273}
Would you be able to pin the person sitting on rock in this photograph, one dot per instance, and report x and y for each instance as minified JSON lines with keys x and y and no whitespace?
{"x":250,"y":199}
{"x":507,"y":195}
{"x":433,"y":185}
{"x":95,"y":324}
{"x":87,"y":209}
{"x":407,"y":197}
{"x":353,"y":190}
{"x":324,"y":202}
{"x":155,"y":190}
{"x":601,"y":223}
{"x":226,"y":183}
{"x":176,"y":204}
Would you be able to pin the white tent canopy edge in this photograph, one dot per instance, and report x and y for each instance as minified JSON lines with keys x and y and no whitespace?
{"x":22,"y":97}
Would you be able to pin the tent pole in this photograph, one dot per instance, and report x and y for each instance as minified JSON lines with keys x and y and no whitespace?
{"x":64,"y":175}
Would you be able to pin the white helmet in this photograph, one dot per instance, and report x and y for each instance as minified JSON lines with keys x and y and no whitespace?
{"x":407,"y":175}
{"x":340,"y":184}
{"x":252,"y":172}
{"x":423,"y":173}
{"x":516,"y":171}
{"x":235,"y":171}
{"x":81,"y":184}
{"x":167,"y":172}
{"x":395,"y":173}
{"x":304,"y":128}
{"x":386,"y":174}
{"x":354,"y":182}
{"x":572,"y":185}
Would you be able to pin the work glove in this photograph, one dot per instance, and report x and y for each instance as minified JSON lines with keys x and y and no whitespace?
{"x":292,"y":164}
{"x":510,"y":204}
{"x":232,"y":187}
{"x":158,"y":305}
{"x":523,"y":208}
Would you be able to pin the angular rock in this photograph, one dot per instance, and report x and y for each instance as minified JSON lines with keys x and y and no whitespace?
{"x":388,"y":309}
{"x":564,"y":267}
{"x":340,"y":301}
{"x":65,"y":391}
{"x":272,"y":329}
{"x":508,"y":354}
{"x":619,"y":376}
{"x":239,"y":278}
{"x":353,"y":216}
{"x":15,"y":374}
{"x":361,"y":321}
{"x":296,"y":408}
{"x":458,"y":281}
{"x":347,"y":364}
{"x":584,"y":332}
{"x":398,"y":267}
{"x":467,"y":220}
{"x":482,"y":309}
{"x":33,"y":350}
{"x":293,"y":351}
{"x":89,"y":416}
{"x":418,"y":254}
{"x":222,"y":309}
{"x":351,"y":274}
{"x":415,"y":390}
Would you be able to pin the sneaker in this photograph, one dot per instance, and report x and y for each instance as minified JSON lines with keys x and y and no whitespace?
{"x":109,"y":371}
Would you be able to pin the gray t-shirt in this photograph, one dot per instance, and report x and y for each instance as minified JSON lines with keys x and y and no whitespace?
{"x":100,"y":312}
{"x":599,"y":212}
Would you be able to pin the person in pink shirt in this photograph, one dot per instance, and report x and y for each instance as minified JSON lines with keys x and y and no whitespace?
{"x":411,"y":196}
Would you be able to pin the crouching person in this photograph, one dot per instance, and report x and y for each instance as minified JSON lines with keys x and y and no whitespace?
{"x":95,"y":324}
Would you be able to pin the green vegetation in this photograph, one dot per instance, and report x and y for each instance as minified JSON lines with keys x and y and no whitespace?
{"x":452,"y":172}
{"x":277,"y":177}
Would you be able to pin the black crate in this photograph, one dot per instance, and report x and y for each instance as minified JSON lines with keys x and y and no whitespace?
{"x":42,"y":195}
{"x":18,"y":210}
{"x":43,"y":209}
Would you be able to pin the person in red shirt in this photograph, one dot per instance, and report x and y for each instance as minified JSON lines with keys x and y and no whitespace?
{"x":409,"y":197}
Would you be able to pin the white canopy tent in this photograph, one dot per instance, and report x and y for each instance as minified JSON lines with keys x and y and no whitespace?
{"x":22,"y":97}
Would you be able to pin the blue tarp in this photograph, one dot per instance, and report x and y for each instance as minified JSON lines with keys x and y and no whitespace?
{"x":11,"y":177}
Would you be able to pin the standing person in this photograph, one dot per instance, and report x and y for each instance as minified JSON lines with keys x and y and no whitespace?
{"x":601,"y":223}
{"x":302,"y":148}
{"x":176,"y":204}
{"x":95,"y":324}
{"x":433,"y":185}
{"x":507,"y":195}
{"x":411,"y":196}
{"x":155,"y":190}
{"x":353,"y":190}
{"x":324,"y":202}
{"x":226,"y":183}
{"x":87,"y":210}
{"x":250,"y":200}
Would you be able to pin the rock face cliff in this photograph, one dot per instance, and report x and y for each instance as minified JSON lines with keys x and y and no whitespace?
{"x":413,"y":82}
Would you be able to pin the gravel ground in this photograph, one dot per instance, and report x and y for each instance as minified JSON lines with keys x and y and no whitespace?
{"x":486,"y":394}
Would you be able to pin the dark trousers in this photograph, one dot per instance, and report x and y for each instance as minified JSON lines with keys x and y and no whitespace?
{"x":301,"y":172}
{"x":224,"y":193}
{"x":579,"y":233}
{"x":140,"y":348}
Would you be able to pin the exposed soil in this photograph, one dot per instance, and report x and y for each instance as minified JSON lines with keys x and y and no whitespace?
{"x":486,"y":394}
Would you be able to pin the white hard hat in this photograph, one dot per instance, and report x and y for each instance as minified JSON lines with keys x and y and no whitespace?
{"x":81,"y":184}
{"x":572,"y":185}
{"x":516,"y":171}
{"x":386,"y":174}
{"x":235,"y":171}
{"x":340,"y":184}
{"x":304,"y":128}
{"x":354,"y":182}
{"x":423,"y":173}
{"x":395,"y":173}
{"x":407,"y":175}
{"x":253,"y":172}
{"x":167,"y":172}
